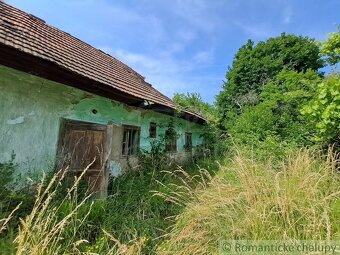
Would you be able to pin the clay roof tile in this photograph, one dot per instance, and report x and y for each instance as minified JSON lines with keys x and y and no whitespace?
{"x":32,"y":35}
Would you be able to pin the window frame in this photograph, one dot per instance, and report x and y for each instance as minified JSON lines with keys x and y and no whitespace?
{"x":131,"y":140}
{"x":153,"y":130}
{"x":187,"y":145}
{"x":171,"y":146}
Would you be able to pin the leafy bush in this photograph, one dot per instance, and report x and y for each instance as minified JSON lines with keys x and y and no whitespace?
{"x":324,"y":111}
{"x":330,"y":48}
{"x":276,"y":122}
{"x":254,"y":125}
{"x":154,"y":159}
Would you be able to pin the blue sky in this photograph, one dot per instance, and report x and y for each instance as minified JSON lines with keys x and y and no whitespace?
{"x":183,"y":45}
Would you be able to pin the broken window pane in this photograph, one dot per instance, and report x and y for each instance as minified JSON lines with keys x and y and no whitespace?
{"x":131,"y":137}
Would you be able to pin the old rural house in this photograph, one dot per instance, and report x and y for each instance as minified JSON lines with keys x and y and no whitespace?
{"x":64,"y":102}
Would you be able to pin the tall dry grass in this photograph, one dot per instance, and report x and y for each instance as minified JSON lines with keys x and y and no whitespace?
{"x":4,"y":221}
{"x":46,"y":231}
{"x":41,"y":232}
{"x":254,"y":201}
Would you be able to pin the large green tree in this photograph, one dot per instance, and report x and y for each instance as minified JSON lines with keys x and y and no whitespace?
{"x":255,"y":65}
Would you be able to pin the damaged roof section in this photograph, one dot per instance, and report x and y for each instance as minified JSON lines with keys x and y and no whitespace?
{"x":34,"y":38}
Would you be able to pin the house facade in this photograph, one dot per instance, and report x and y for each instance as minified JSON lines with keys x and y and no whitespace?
{"x":67,"y":105}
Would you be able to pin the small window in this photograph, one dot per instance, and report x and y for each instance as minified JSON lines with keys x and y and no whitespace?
{"x":131,"y":137}
{"x":153,"y":130}
{"x":188,"y":141}
{"x":170,"y":141}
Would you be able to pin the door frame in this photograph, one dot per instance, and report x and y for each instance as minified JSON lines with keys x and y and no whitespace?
{"x":65,"y":124}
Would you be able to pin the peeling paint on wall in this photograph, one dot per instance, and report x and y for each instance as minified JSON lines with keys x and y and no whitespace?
{"x":45,"y":105}
{"x":15,"y":121}
{"x":114,"y":168}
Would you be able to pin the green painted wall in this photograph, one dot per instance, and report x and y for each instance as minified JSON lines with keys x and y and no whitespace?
{"x":31,"y":109}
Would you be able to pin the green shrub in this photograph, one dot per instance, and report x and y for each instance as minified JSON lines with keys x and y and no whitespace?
{"x":324,"y":111}
{"x":12,"y":193}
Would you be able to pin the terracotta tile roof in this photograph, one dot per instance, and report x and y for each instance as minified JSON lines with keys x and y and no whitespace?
{"x":32,"y":35}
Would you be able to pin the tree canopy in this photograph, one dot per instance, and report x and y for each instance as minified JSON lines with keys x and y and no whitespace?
{"x":330,"y":48}
{"x":275,"y":95}
{"x":255,"y":66}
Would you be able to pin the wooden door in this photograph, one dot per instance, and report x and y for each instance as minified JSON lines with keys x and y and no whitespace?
{"x":83,"y":145}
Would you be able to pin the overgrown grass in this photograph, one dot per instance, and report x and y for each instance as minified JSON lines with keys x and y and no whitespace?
{"x":63,"y":226}
{"x":131,"y":220}
{"x":253,"y":200}
{"x":133,"y":212}
{"x":186,"y":211}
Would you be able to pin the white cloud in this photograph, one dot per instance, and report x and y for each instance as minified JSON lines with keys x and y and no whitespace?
{"x":167,"y":73}
{"x":186,"y":35}
{"x":200,"y":15}
{"x":203,"y":57}
{"x":264,"y":25}
{"x":197,"y":13}
{"x":257,"y":31}
{"x":287,"y":16}
{"x":158,"y":64}
{"x":173,"y":43}
{"x":146,"y":64}
{"x":287,"y":13}
{"x":170,"y":64}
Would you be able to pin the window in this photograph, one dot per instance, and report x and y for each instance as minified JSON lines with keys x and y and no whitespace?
{"x":188,"y":141}
{"x":153,"y":130}
{"x":131,"y":139}
{"x":170,"y":141}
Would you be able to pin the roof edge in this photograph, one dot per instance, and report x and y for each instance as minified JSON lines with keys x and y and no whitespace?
{"x":47,"y":67}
